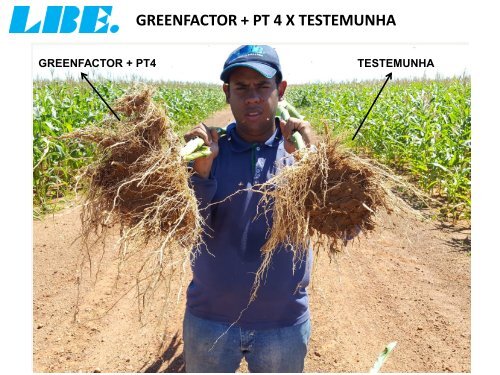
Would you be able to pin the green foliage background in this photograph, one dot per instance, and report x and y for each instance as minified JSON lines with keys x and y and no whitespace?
{"x":61,"y":106}
{"x":421,"y":128}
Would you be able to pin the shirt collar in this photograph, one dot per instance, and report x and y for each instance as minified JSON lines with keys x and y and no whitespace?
{"x":239,"y":145}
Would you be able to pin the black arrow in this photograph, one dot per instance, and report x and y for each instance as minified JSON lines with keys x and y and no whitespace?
{"x":97,"y":92}
{"x":389,"y":76}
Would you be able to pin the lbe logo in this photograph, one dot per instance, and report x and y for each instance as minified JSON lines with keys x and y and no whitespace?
{"x":64,"y":19}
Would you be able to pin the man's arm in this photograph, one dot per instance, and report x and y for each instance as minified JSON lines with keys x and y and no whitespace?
{"x":203,"y":184}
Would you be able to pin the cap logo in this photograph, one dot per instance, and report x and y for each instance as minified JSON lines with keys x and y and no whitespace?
{"x":248,"y":50}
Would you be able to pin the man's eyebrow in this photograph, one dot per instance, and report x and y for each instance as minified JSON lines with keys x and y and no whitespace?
{"x":260,"y":83}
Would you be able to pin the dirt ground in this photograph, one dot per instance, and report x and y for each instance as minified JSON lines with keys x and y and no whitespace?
{"x":408,"y":281}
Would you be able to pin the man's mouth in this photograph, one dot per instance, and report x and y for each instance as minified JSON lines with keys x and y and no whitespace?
{"x":253,"y":114}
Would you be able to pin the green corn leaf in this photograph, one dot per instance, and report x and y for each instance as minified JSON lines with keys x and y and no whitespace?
{"x":383,"y":357}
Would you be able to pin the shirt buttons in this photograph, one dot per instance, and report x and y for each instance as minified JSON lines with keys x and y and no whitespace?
{"x":257,"y":148}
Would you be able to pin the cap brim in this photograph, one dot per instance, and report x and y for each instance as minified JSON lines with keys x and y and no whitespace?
{"x":263,"y":69}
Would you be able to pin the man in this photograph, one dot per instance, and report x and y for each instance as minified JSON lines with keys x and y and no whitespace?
{"x":220,"y":325}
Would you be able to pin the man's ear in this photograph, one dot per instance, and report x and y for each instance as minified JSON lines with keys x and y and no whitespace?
{"x":281,"y":89}
{"x":225,"y":87}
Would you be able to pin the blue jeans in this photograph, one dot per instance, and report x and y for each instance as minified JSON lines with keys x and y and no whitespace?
{"x":270,"y":350}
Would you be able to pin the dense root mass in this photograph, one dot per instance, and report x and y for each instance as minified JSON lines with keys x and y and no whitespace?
{"x":343,"y":197}
{"x":327,"y":196}
{"x":328,"y":193}
{"x":140,"y":182}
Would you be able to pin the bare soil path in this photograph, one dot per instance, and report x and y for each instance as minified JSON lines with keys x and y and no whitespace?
{"x":408,"y":281}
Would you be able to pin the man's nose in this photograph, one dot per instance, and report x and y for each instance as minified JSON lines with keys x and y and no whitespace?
{"x":253,"y":96}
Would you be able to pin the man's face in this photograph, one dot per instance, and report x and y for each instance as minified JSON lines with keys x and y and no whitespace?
{"x":253,"y":99}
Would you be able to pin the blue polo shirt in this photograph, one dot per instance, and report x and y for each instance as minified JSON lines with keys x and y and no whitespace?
{"x":225,"y":265}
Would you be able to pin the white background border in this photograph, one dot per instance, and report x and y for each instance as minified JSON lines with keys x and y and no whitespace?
{"x":423,"y":21}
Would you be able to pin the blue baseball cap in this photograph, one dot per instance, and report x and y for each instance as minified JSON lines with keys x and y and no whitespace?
{"x":262,"y":59}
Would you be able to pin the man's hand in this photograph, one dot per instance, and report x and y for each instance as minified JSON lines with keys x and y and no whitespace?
{"x":210,"y":137}
{"x":303,"y":127}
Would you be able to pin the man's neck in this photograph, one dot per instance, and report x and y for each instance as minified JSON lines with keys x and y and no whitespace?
{"x":256,"y":138}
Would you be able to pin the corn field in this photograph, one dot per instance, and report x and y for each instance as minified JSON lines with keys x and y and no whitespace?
{"x":62,"y":106}
{"x":421,"y":128}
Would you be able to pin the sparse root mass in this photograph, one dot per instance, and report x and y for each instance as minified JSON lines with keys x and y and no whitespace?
{"x":326,"y":197}
{"x":328,"y":194}
{"x":140,"y":182}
